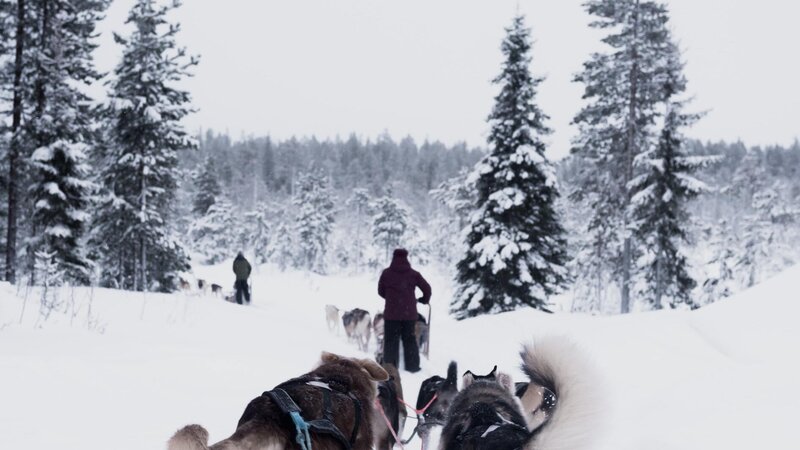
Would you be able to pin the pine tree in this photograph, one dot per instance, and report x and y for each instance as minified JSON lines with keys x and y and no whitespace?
{"x":140,"y":174}
{"x":281,"y":249}
{"x":259,"y":232}
{"x":208,"y":188}
{"x":623,"y":88}
{"x":516,"y":249}
{"x":720,"y":281}
{"x":215,"y":233}
{"x":660,"y":195}
{"x":314,"y":219}
{"x":389,"y":224}
{"x":61,"y":130}
{"x":16,"y":77}
{"x":360,"y":206}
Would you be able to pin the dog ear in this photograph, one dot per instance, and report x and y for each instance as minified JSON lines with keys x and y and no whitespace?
{"x":375,"y":372}
{"x":467,"y":379}
{"x":506,"y":381}
{"x":493,"y":373}
{"x":329,"y":357}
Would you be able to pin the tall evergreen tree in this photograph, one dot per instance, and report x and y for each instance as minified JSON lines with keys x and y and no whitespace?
{"x":208,"y":188}
{"x":360,"y":206}
{"x":314,"y":219}
{"x":516,"y":249}
{"x":390,"y":223}
{"x":14,"y":78}
{"x":140,"y":175}
{"x":61,"y":130}
{"x":623,"y":88}
{"x":660,"y":195}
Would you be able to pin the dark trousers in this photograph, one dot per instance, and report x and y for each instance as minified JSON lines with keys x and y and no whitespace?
{"x":394,"y":330}
{"x":242,"y":289}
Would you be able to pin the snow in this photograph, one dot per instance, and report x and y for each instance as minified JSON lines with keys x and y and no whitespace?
{"x":124,"y":370}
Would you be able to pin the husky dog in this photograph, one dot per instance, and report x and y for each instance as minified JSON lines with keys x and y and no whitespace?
{"x":202,"y":285}
{"x":421,"y":330}
{"x":520,"y":388}
{"x":491,"y":376}
{"x":184,"y":285}
{"x":555,"y":410}
{"x":216,"y":289}
{"x":358,"y":326}
{"x":378,"y":328}
{"x":332,"y":318}
{"x":437,"y":394}
{"x":338,"y":394}
{"x":485,"y":415}
{"x":389,"y":393}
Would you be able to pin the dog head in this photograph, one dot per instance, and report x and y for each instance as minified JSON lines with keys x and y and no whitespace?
{"x":444,"y":389}
{"x":367,"y":367}
{"x":469,"y":377}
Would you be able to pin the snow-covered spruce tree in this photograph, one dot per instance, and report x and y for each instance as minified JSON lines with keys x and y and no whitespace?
{"x":18,"y":38}
{"x":360,"y":207}
{"x":314,"y":219}
{"x":281,"y":248}
{"x":389,"y":224}
{"x":456,"y":198}
{"x":516,"y":249}
{"x":208,"y":188}
{"x":258,"y":233}
{"x":660,"y":195}
{"x":623,"y":89}
{"x":215,"y":234}
{"x":720,"y":281}
{"x":134,"y":231}
{"x":60,"y":130}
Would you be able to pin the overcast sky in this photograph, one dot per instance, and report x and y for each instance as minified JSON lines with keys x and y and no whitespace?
{"x":423,"y":67}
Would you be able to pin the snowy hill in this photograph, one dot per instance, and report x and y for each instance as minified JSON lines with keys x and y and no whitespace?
{"x":128,"y":372}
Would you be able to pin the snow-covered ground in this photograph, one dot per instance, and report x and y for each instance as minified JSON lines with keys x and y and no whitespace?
{"x":128,"y":373}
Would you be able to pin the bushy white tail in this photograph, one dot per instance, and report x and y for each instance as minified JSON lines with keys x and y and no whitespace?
{"x":190,"y":437}
{"x":556,"y":363}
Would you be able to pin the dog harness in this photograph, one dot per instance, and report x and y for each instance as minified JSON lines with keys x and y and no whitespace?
{"x":319,"y":426}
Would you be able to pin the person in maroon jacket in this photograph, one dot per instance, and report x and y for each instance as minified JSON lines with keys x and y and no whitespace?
{"x":397,"y":286}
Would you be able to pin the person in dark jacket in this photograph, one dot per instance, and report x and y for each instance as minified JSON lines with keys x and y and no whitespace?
{"x":397,"y":286}
{"x":242,"y":270}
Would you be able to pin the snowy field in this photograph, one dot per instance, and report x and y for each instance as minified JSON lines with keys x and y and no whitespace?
{"x":128,"y":373}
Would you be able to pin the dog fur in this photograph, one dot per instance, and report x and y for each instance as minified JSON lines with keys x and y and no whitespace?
{"x":263,"y":426}
{"x":332,"y":318}
{"x":202,"y":285}
{"x":445,"y":390}
{"x":378,"y":328}
{"x":422,"y":330}
{"x":358,"y":326}
{"x":216,"y":289}
{"x":389,"y":393}
{"x":557,"y":365}
{"x":184,"y":285}
{"x":485,"y":415}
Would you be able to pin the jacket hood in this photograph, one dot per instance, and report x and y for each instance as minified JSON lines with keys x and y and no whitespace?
{"x":400,"y":260}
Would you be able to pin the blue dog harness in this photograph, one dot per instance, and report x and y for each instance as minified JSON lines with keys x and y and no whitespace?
{"x":284,"y":401}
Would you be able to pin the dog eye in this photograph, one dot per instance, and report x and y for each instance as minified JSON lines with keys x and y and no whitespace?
{"x":548,"y":400}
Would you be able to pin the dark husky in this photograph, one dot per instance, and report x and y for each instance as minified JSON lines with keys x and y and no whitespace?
{"x":337,"y":397}
{"x":485,"y":415}
{"x":378,"y":328}
{"x":389,"y":393}
{"x":556,"y":409}
{"x":436,"y":393}
{"x":358,"y":326}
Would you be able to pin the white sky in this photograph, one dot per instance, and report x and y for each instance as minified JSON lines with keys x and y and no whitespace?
{"x":423,"y":67}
